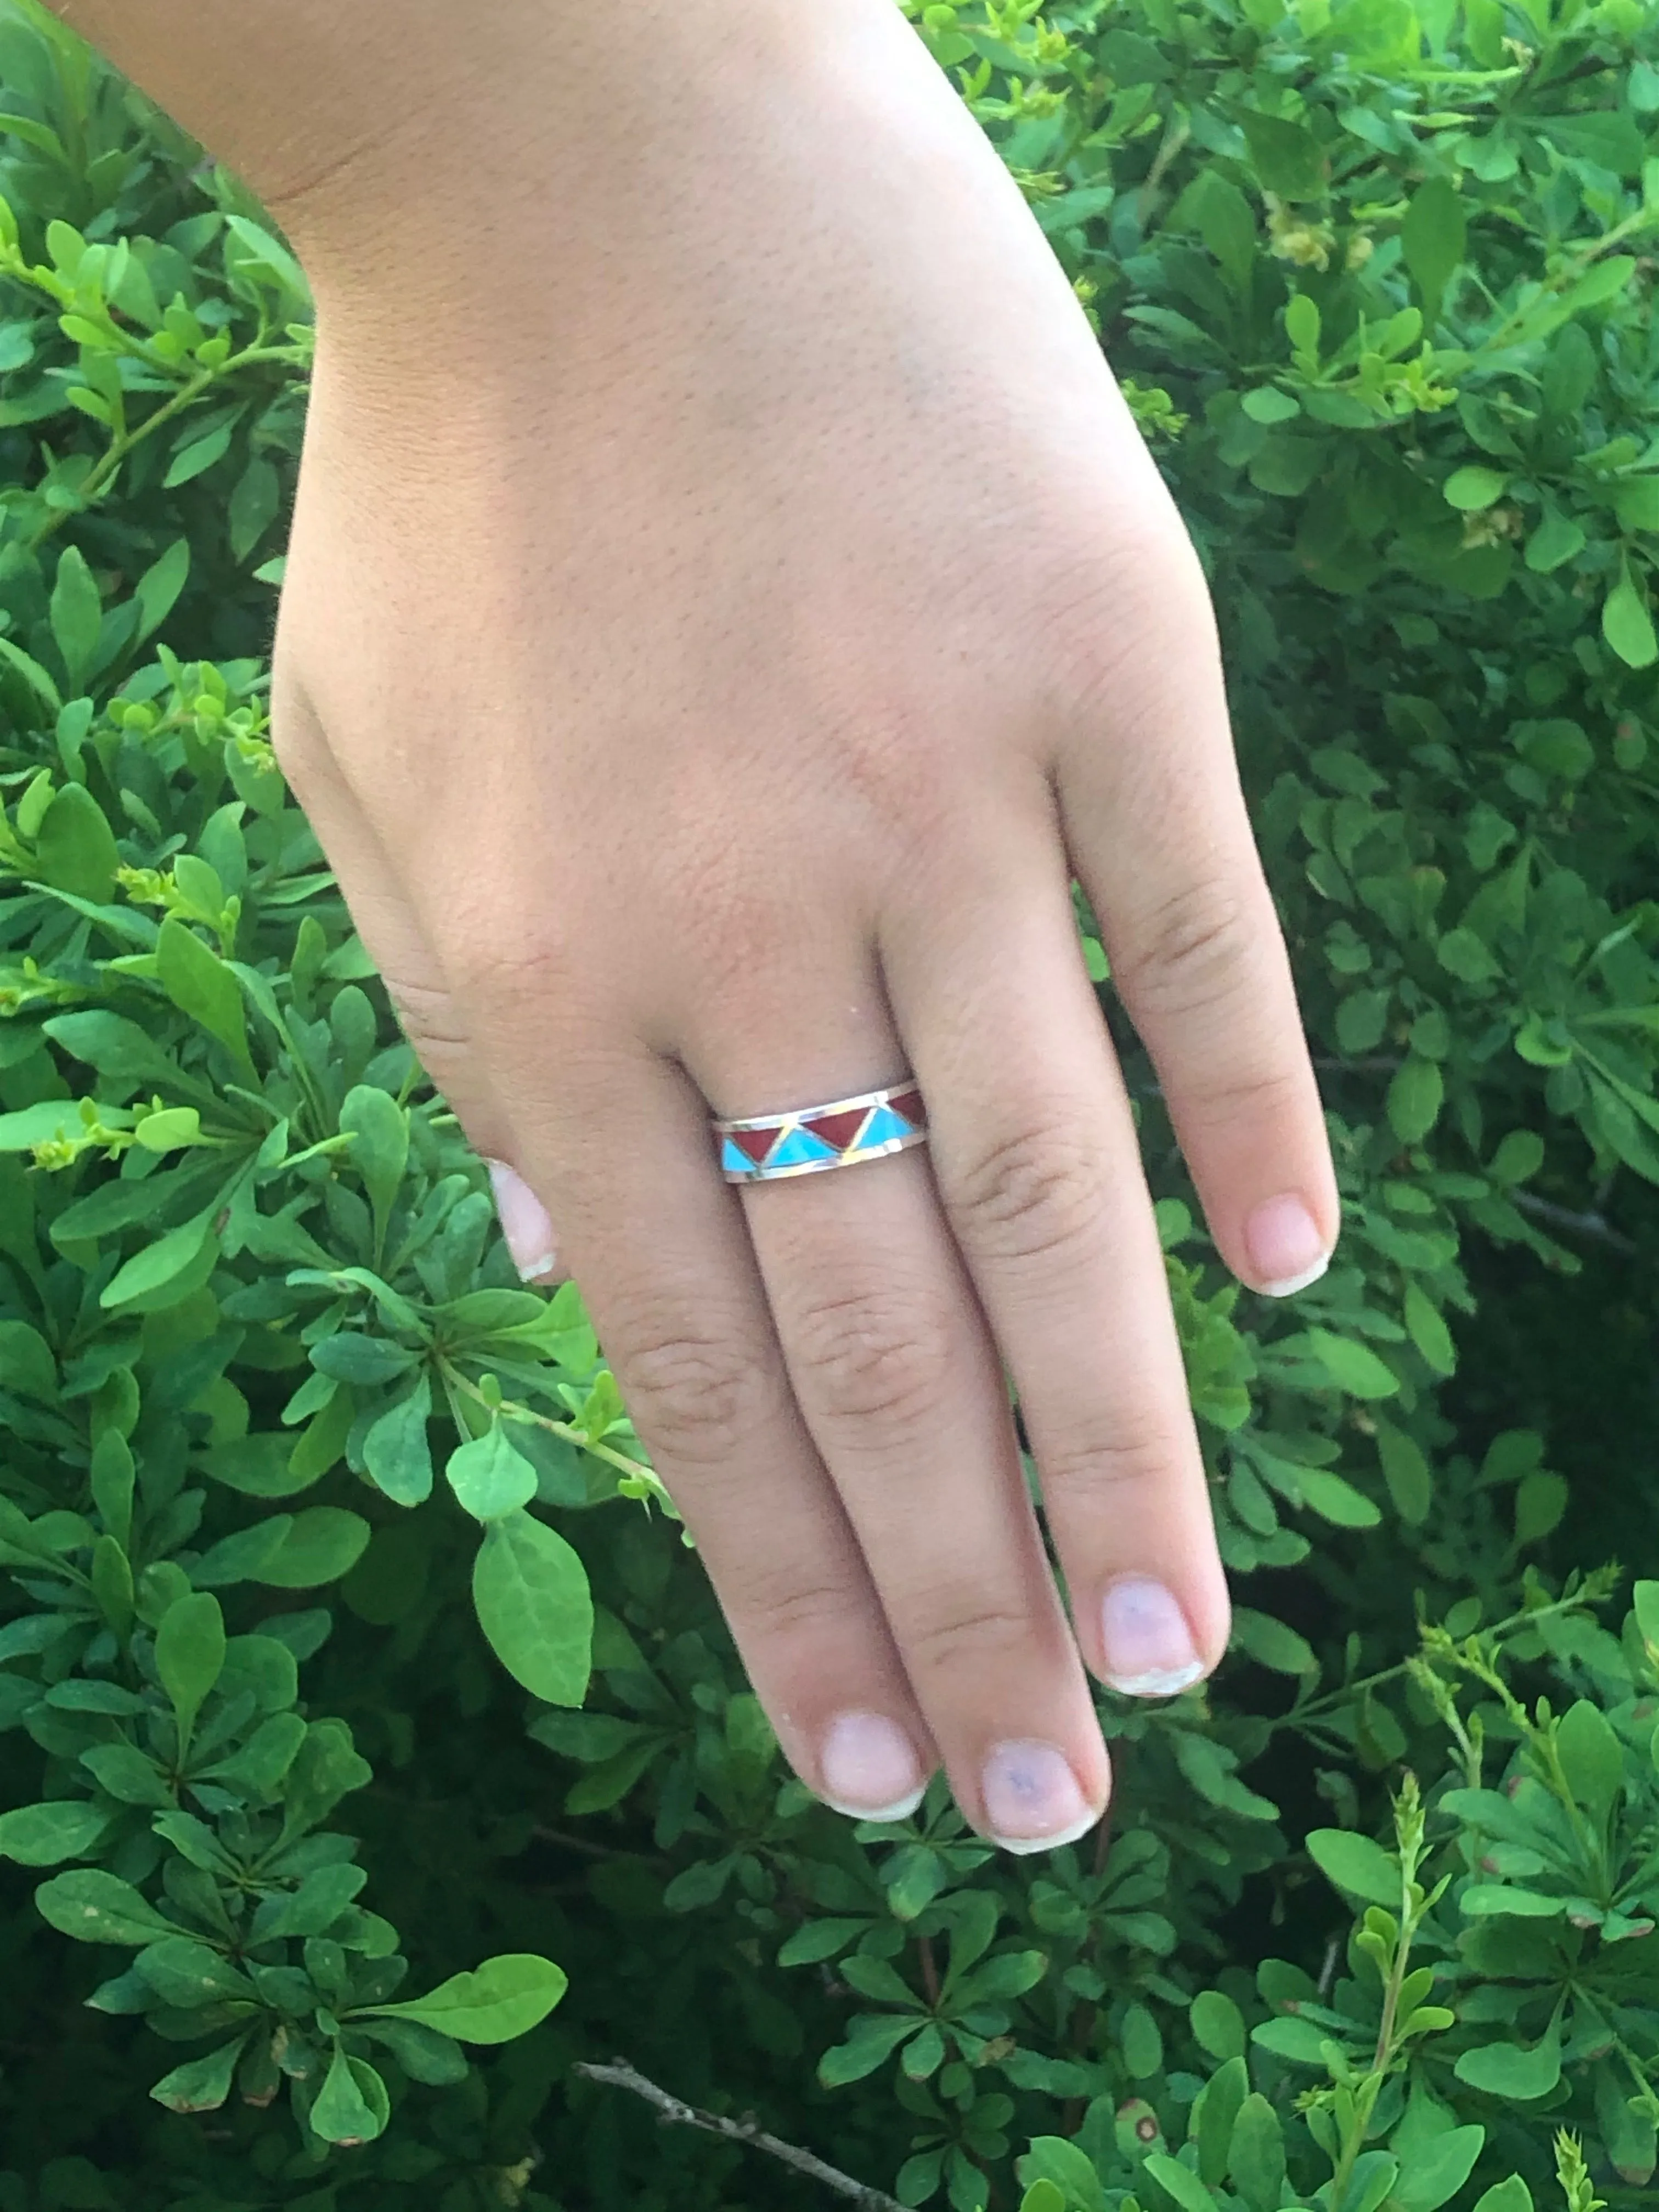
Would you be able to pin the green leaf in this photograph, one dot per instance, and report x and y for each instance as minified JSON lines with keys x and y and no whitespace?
{"x":504,"y":1998}
{"x":1474,"y":488}
{"x":1592,"y":1758}
{"x":341,"y":2113}
{"x":166,"y":1262}
{"x":1256,"y":2155}
{"x":1406,"y":1471}
{"x":1181,"y":2183}
{"x":530,"y":1590}
{"x":1637,"y":505}
{"x":1301,"y":323}
{"x":1510,"y":2195}
{"x":1433,"y":238}
{"x":76,"y":848}
{"x":1463,"y":954}
{"x":1354,"y":1367}
{"x":77,"y":615}
{"x":1217,"y":2025}
{"x":1140,"y":2044}
{"x":1286,"y":155}
{"x":1644,"y":1600}
{"x":34,"y":675}
{"x":201,"y":2085}
{"x":253,"y":504}
{"x":260,"y":1466}
{"x":1299,"y":2040}
{"x":349,"y":1357}
{"x":1518,"y":1158}
{"x":1434,"y":2171}
{"x":196,"y":455}
{"x":424,"y":2055}
{"x":869,"y":2040}
{"x":1044,"y":2197}
{"x":1557,"y":540}
{"x":190,"y":1654}
{"x":183,"y":1972}
{"x":94,"y":1907}
{"x":488,"y":1477}
{"x":379,"y":1129}
{"x":47,"y":1835}
{"x":1271,"y":1644}
{"x":1267,"y":403}
{"x":396,"y":1451}
{"x":1626,"y":623}
{"x":27,"y":1364}
{"x":200,"y":985}
{"x":1506,"y":2070}
{"x":269,"y":253}
{"x":1541,"y":1501}
{"x":1357,"y":1865}
{"x":126,"y":1774}
{"x":323,"y":1543}
{"x":1427,"y":1329}
{"x":1226,"y":223}
{"x":157,"y":590}
{"x":1416,"y":1094}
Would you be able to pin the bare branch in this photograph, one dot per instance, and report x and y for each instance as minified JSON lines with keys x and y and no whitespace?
{"x":1562,"y":1217}
{"x":747,"y":2129}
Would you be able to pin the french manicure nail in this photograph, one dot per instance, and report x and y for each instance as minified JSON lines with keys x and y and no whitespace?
{"x":870,"y":1770}
{"x":526,"y":1224}
{"x":1149,"y":1647}
{"x":1286,"y":1249}
{"x":1032,"y":1801}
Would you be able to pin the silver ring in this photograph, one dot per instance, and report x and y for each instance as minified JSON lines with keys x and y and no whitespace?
{"x":758,"y":1147}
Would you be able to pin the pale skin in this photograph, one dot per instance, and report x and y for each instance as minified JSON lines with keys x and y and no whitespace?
{"x":727,"y":601}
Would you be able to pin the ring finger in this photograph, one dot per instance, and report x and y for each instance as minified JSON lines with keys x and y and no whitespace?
{"x":900,"y":1387}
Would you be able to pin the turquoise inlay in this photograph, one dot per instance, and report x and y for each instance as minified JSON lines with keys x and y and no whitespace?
{"x":738,"y":1163}
{"x":882,"y":1126}
{"x":798,"y":1148}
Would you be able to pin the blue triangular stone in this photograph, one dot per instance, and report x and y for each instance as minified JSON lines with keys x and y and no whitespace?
{"x":798,"y":1149}
{"x":738,"y":1163}
{"x":885,"y":1126}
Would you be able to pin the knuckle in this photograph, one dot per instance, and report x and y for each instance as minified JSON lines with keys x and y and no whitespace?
{"x":877,"y":1360}
{"x":1139,"y":1455}
{"x":429,"y":1016}
{"x":782,"y":1607}
{"x":698,"y":1394}
{"x":1200,"y":947}
{"x":963,"y":1624}
{"x":1106,"y":611}
{"x":1032,"y":1194}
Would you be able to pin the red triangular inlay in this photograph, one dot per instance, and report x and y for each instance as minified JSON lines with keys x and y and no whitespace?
{"x":908,"y":1103}
{"x":753,"y":1144}
{"x":838,"y":1129}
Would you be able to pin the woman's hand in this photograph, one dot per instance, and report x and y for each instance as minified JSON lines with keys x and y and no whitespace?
{"x":727,"y":601}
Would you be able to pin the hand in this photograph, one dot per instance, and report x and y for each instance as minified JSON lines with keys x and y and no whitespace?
{"x":727,"y":599}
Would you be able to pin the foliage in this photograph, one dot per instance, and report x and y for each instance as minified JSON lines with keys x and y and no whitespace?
{"x":330,"y":1567}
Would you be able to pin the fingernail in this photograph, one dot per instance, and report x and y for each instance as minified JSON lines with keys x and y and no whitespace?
{"x":1032,"y":1801}
{"x":526,"y":1224}
{"x":1286,"y":1251}
{"x":870,"y":1770}
{"x":1149,"y":1647}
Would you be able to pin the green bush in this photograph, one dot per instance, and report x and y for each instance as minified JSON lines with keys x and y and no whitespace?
{"x":349,"y":1645}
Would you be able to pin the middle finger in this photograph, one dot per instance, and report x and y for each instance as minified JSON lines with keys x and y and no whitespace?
{"x":900,"y":1386}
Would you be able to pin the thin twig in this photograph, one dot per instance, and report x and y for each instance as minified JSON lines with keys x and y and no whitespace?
{"x":1327,"y":1972}
{"x":1563,"y":1217}
{"x":929,"y":1970}
{"x":747,"y":2129}
{"x":578,"y":1843}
